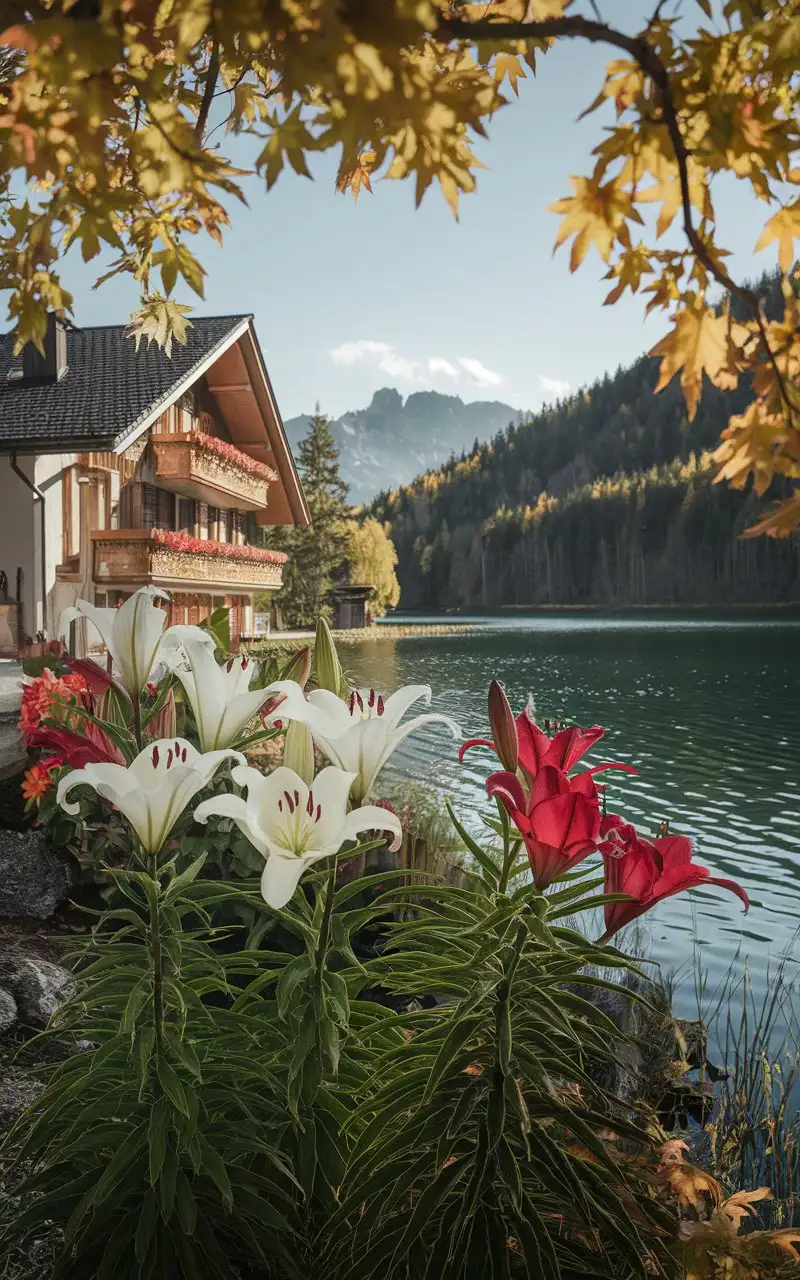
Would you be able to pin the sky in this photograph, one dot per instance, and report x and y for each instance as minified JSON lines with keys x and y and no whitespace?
{"x":349,"y":297}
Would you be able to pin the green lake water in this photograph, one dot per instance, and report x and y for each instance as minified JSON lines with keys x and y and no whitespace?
{"x":706,"y":708}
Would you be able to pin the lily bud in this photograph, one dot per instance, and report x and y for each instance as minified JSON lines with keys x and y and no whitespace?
{"x":298,"y":668}
{"x":326,"y":660}
{"x":298,"y":750}
{"x":504,"y":730}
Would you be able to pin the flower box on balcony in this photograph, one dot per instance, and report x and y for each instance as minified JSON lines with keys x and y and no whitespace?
{"x":127,"y":558}
{"x":196,"y":465}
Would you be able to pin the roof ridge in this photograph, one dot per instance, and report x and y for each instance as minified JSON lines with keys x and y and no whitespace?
{"x":93,"y":328}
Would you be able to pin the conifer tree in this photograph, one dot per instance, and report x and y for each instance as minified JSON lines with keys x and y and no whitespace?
{"x":318,"y":551}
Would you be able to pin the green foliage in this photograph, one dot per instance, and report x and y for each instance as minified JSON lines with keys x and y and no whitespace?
{"x":156,"y":1152}
{"x":316,"y":552}
{"x":484,"y":1136}
{"x":371,"y":558}
{"x":607,"y":497}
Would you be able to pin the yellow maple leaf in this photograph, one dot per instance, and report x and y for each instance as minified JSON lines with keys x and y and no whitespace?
{"x":740,"y":1205}
{"x":779,"y":522}
{"x":356,"y":175}
{"x":509,"y":65}
{"x":597,"y":214}
{"x":783,"y":226}
{"x":700,"y":342}
{"x":749,"y":444}
{"x":628,"y":271}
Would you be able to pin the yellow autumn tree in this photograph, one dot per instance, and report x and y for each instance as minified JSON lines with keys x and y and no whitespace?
{"x":371,"y":559}
{"x":106,"y":110}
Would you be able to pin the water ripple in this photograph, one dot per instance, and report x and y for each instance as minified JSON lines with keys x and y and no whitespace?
{"x":705,"y":709}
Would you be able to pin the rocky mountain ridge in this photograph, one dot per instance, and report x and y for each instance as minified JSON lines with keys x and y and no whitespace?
{"x":393,"y":440}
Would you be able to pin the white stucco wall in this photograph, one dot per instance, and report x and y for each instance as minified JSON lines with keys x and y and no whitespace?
{"x":20,"y":534}
{"x":17,"y":538}
{"x":48,"y":478}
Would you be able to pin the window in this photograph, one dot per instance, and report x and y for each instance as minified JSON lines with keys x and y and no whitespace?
{"x":70,"y":511}
{"x":187,"y":411}
{"x":149,"y":506}
{"x":186,"y":515}
{"x":222,"y":525}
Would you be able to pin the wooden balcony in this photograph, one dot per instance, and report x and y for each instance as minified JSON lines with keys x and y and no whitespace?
{"x":196,"y":465}
{"x":130,"y":558}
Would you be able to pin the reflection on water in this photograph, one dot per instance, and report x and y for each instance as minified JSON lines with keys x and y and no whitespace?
{"x":707,"y":711}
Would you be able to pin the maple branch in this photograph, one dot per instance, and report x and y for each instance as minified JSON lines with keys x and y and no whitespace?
{"x":208,"y":94}
{"x":643,"y":53}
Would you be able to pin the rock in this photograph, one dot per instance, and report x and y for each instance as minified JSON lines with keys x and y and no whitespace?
{"x":38,"y":986}
{"x":13,"y":752}
{"x":17,"y":1091}
{"x":8,"y":1010}
{"x":33,"y":880}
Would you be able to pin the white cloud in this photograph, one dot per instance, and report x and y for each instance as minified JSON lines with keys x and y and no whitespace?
{"x":350,"y":352}
{"x":479,"y":373}
{"x":437,"y":364}
{"x":386,"y":357}
{"x":553,"y":386}
{"x":398,"y":366}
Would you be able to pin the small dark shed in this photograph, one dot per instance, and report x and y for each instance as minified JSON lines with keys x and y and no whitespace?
{"x":350,"y":606}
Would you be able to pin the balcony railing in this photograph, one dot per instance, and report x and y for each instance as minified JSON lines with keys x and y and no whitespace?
{"x":200,"y":466}
{"x":128,"y":558}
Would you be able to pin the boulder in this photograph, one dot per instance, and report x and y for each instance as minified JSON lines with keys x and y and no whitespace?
{"x":17,"y":1091}
{"x":38,"y":986}
{"x":13,"y":751}
{"x":34,"y":881}
{"x":8,"y":1010}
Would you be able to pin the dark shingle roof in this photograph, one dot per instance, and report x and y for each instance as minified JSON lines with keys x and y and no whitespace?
{"x":109,"y":387}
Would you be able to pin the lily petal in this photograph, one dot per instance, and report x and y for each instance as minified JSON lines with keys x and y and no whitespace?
{"x":371,"y":817}
{"x":281,"y":876}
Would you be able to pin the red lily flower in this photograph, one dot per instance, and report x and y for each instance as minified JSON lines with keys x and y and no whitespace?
{"x":648,"y":870}
{"x":534,"y":749}
{"x":558,"y":819}
{"x":90,"y":746}
{"x":97,"y":679}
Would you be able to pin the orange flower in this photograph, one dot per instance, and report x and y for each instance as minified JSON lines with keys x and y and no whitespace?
{"x":51,"y":697}
{"x":38,"y":780}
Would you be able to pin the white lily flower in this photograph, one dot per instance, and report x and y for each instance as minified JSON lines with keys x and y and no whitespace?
{"x":220,"y":696}
{"x":154,"y":790}
{"x":358,"y":735}
{"x":133,"y":634}
{"x":292,"y":824}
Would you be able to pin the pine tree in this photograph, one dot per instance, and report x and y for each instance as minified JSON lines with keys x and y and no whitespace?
{"x":318,"y":551}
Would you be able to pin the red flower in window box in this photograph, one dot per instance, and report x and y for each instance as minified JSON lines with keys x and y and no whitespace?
{"x":229,"y":453}
{"x":173,"y":540}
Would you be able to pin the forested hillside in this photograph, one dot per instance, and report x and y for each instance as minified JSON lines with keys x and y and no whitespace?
{"x":605,"y":498}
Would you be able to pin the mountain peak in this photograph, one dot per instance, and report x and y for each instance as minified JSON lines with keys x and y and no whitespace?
{"x":392,"y":441}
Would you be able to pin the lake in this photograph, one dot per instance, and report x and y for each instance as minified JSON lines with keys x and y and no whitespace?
{"x":706,"y":708}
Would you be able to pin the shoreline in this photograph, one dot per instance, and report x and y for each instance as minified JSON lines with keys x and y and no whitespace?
{"x":733,"y":606}
{"x":357,"y":635}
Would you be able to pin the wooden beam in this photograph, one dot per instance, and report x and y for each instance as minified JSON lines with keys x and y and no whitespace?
{"x":228,"y":386}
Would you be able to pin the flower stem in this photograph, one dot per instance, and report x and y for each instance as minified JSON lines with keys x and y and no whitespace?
{"x":510,"y":850}
{"x":321,"y":953}
{"x":156,"y":956}
{"x":502,"y":1013}
{"x":137,"y":722}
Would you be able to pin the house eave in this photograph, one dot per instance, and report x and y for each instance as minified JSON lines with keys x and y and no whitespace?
{"x":43,"y":448}
{"x":132,"y":433}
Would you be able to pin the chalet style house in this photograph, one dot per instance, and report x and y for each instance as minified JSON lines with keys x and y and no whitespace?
{"x":120,"y":468}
